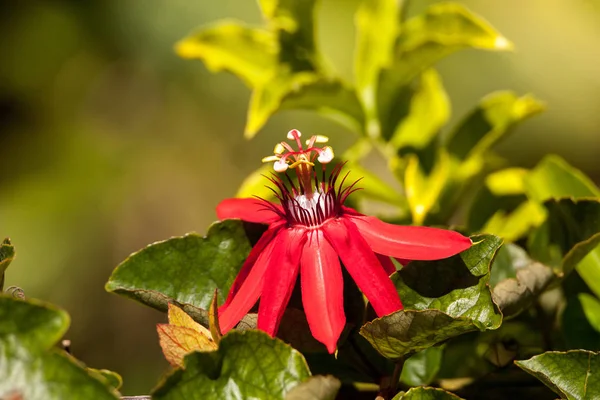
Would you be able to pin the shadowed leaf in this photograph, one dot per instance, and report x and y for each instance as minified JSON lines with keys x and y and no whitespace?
{"x":426,"y":393}
{"x":247,"y":364}
{"x":573,"y":375}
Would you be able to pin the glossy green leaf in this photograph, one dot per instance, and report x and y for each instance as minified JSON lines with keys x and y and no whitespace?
{"x":591,"y":308}
{"x":7,"y":254}
{"x":428,"y":113}
{"x":426,"y":393}
{"x":463,"y":293}
{"x":421,"y":368}
{"x":377,"y":24}
{"x":423,"y":190}
{"x":247,"y":364}
{"x":185,"y":270}
{"x":573,"y":375}
{"x":249,"y":53}
{"x":554,"y":177}
{"x":29,"y":367}
{"x":490,"y":122}
{"x":315,"y":388}
{"x":438,"y":309}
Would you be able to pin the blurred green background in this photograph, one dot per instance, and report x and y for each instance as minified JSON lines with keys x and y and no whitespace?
{"x":109,"y":141}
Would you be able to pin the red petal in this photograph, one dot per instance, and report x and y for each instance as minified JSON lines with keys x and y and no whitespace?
{"x":410,"y":242}
{"x":247,"y":286}
{"x":284,"y":265}
{"x":386,"y":263}
{"x":259,"y":248}
{"x":322,"y":290}
{"x":248,"y":209}
{"x":363,"y":266}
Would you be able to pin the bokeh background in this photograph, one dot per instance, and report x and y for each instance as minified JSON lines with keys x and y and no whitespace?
{"x":109,"y":141}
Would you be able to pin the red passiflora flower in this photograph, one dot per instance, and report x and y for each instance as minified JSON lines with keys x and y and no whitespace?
{"x":310,"y":231}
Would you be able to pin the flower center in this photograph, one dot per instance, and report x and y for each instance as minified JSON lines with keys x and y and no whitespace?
{"x":312,"y":201}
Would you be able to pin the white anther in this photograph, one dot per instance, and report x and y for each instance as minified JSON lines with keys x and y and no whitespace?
{"x":293,"y":134}
{"x":326,"y":155}
{"x":280,"y":166}
{"x":279,"y":149}
{"x":270,"y":158}
{"x":321,"y":139}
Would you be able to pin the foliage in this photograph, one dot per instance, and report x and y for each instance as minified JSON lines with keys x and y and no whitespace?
{"x":534,"y":231}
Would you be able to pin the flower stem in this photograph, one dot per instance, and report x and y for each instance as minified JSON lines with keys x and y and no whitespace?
{"x":390,"y":387}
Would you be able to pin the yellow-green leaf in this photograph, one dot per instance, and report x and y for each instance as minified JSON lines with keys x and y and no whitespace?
{"x":507,"y":182}
{"x":516,"y":224}
{"x":423,"y":190}
{"x":429,"y":112}
{"x":249,"y":53}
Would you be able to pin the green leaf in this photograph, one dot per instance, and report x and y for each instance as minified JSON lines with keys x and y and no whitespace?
{"x":572,"y":374}
{"x":185,"y":270}
{"x":591,"y":308}
{"x":423,"y":190}
{"x":7,"y":254}
{"x":267,"y":99}
{"x":507,"y":182}
{"x":464,"y":290}
{"x":377,"y":24}
{"x":30,"y":368}
{"x":426,"y":393}
{"x":315,"y":388}
{"x":293,"y":23}
{"x":438,"y":309}
{"x":571,"y":231}
{"x":509,"y":259}
{"x":429,"y":111}
{"x":554,"y":177}
{"x":406,"y":332}
{"x":421,"y":368}
{"x":330,"y":97}
{"x":516,"y":224}
{"x":247,"y":364}
{"x":249,"y":53}
{"x":490,"y":122}
{"x":256,"y":184}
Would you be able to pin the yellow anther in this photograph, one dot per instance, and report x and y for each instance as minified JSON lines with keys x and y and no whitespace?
{"x":270,"y":158}
{"x":279,"y":149}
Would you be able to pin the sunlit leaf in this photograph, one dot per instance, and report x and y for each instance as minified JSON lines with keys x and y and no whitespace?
{"x":426,"y":393}
{"x":181,"y":336}
{"x":249,"y":53}
{"x":421,"y":368}
{"x":438,"y":309}
{"x":7,"y":254}
{"x":507,"y":182}
{"x":490,"y":122}
{"x":423,"y":190}
{"x":591,"y":308}
{"x":30,"y":368}
{"x":429,"y":111}
{"x":184,"y":270}
{"x":573,"y":375}
{"x":267,"y":99}
{"x":293,"y":23}
{"x":516,"y":224}
{"x":554,"y":177}
{"x":377,"y":24}
{"x":247,"y":364}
